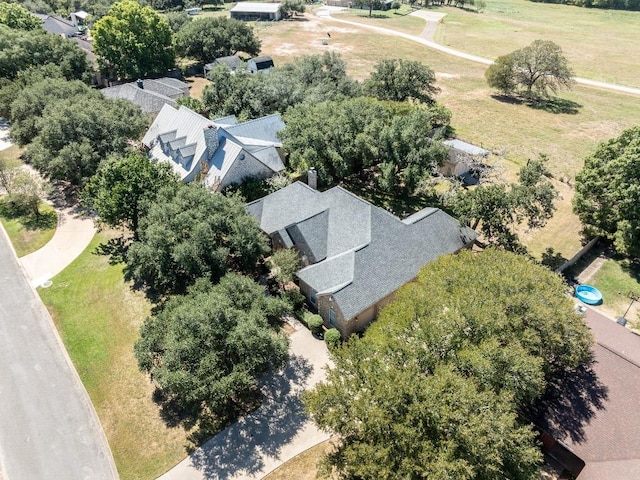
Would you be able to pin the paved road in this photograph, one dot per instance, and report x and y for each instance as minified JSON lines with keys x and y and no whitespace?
{"x":325,"y":12}
{"x":277,"y":431}
{"x":48,"y":428}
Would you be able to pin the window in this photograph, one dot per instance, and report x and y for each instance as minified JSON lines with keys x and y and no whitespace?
{"x":332,"y":317}
{"x":312,"y":298}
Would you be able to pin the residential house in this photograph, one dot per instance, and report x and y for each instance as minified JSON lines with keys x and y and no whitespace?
{"x":260,"y":64}
{"x":232,"y":62}
{"x":591,"y":427}
{"x":252,"y":11}
{"x":217,"y":152}
{"x":57,"y":25}
{"x":354,"y":255}
{"x":462,"y":158}
{"x":150,"y":94}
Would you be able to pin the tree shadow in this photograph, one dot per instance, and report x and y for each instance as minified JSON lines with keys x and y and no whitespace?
{"x":555,"y":105}
{"x":548,"y":104}
{"x":239,"y":448}
{"x":42,"y":221}
{"x":570,"y":402}
{"x":115,"y":249}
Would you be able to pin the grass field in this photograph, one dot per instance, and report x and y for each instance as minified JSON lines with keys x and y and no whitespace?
{"x":600,"y":44}
{"x":29,"y":233}
{"x":516,"y":132}
{"x":301,"y":467}
{"x":396,"y":20}
{"x":98,"y":317}
{"x":615,"y":279}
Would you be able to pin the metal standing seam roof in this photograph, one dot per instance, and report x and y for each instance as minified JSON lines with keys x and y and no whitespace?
{"x":251,"y":7}
{"x":187,"y":127}
{"x":466,"y":147}
{"x":384,"y":252}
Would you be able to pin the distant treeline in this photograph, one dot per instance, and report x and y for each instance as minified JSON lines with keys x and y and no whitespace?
{"x":613,"y":4}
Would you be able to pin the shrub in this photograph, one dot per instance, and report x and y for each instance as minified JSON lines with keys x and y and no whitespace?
{"x":294,"y":298}
{"x":314,"y":322}
{"x":396,"y":5}
{"x":332,"y":337}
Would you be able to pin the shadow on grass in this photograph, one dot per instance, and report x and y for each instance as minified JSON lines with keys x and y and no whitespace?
{"x":115,"y":249}
{"x":29,"y":220}
{"x":550,"y":104}
{"x":570,"y":402}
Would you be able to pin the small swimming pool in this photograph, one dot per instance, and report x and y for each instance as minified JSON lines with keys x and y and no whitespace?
{"x":589,"y":295}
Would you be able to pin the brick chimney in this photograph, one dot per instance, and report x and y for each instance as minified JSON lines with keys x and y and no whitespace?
{"x":312,"y":178}
{"x":211,"y":140}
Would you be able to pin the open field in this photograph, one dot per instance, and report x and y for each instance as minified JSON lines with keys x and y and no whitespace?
{"x":516,"y":132}
{"x":29,"y":233}
{"x":400,"y":21}
{"x":98,"y":318}
{"x":600,"y":44}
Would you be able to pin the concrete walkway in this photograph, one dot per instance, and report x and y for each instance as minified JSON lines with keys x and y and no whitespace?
{"x":73,"y":235}
{"x":276,"y":432}
{"x":325,"y":13}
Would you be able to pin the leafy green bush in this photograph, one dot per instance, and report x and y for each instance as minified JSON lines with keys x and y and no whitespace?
{"x":313,"y":321}
{"x":294,"y":298}
{"x":332,"y":337}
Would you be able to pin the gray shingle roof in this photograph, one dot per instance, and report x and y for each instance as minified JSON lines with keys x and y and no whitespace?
{"x":57,"y":25}
{"x":154,"y":94}
{"x":369,"y":252}
{"x":147,"y":100}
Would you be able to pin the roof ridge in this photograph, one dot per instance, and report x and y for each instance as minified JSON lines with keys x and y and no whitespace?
{"x":254,"y":120}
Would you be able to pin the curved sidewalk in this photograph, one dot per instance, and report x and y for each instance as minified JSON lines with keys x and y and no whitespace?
{"x":325,"y":12}
{"x":276,"y":432}
{"x":73,"y":235}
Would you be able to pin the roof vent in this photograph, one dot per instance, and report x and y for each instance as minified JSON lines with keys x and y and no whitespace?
{"x":140,"y":84}
{"x":241,"y":156}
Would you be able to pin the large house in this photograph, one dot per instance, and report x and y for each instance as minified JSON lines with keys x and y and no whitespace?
{"x":217,"y":152}
{"x":354,"y":255}
{"x":150,"y":95}
{"x":591,"y":426}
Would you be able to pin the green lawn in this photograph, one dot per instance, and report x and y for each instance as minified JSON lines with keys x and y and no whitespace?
{"x":394,"y":19}
{"x":600,"y":44}
{"x":98,"y":317}
{"x":29,"y":233}
{"x":615,"y":279}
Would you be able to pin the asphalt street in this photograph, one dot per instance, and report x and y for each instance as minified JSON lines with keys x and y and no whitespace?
{"x":48,"y":428}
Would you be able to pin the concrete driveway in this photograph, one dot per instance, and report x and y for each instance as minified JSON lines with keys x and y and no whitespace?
{"x":48,"y":428}
{"x":274,"y":433}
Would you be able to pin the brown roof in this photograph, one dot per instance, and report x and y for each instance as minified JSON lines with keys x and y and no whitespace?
{"x":596,"y":414}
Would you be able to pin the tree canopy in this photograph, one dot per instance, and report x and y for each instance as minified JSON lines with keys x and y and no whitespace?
{"x":16,"y":16}
{"x":190,"y":233}
{"x":133,"y":41}
{"x":208,"y":348}
{"x":498,"y":209}
{"x":310,"y":79}
{"x":435,"y":386}
{"x":20,"y":50}
{"x":124,"y":186}
{"x":209,"y":38}
{"x":75,"y":134}
{"x":401,"y":80}
{"x":607,"y":199}
{"x":340,"y":138}
{"x":538,"y":68}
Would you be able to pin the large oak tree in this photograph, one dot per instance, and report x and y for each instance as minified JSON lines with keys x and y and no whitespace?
{"x":133,"y":41}
{"x":435,"y":387}
{"x":608,"y":194}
